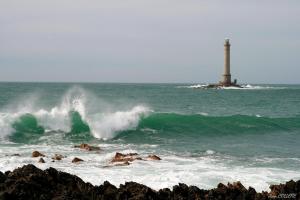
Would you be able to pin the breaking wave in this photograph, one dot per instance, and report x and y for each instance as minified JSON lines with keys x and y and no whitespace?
{"x":77,"y":115}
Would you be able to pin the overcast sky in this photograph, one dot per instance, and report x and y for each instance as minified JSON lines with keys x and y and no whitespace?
{"x":149,"y":40}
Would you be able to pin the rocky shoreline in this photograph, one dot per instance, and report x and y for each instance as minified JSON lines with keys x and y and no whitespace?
{"x":30,"y":182}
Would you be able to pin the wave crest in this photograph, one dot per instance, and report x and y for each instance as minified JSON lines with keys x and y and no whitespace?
{"x":110,"y":124}
{"x":75,"y":114}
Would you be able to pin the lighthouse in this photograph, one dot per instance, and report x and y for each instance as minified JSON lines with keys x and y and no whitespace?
{"x":226,"y":76}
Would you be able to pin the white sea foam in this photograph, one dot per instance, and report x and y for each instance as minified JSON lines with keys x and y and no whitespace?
{"x":209,"y":152}
{"x":243,"y":87}
{"x":205,"y":171}
{"x":203,"y":113}
{"x":193,"y":86}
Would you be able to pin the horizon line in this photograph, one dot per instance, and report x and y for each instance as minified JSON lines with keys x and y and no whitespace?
{"x":97,"y":82}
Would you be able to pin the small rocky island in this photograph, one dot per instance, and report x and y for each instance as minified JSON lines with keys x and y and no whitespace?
{"x":226,"y":81}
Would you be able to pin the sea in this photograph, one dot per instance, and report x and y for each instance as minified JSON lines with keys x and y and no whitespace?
{"x":203,"y":136}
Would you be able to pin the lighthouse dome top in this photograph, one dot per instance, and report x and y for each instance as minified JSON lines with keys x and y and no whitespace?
{"x":226,"y":41}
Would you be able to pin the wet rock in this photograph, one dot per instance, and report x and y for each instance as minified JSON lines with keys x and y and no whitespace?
{"x":290,"y":186}
{"x":165,"y":193}
{"x":123,"y":164}
{"x":251,"y":193}
{"x":237,"y":185}
{"x":2,"y":177}
{"x":107,"y":191}
{"x":77,"y":160}
{"x":29,"y":182}
{"x":232,"y":191}
{"x":87,"y":147}
{"x":287,"y":188}
{"x":196,"y":193}
{"x":6,"y":173}
{"x":15,"y":154}
{"x":132,"y":190}
{"x":41,"y":160}
{"x":154,"y":157}
{"x":119,"y":157}
{"x":180,"y":191}
{"x":58,"y":157}
{"x":37,"y":154}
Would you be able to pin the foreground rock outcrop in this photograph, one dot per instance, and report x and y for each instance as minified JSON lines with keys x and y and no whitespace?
{"x":29,"y":182}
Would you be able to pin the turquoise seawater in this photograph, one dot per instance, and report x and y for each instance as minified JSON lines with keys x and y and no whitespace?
{"x":205,"y":136}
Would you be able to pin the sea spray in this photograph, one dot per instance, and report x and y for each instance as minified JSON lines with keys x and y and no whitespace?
{"x":106,"y":126}
{"x":58,"y":118}
{"x":11,"y":112}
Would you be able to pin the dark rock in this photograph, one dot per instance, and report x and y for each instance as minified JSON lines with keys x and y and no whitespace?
{"x":6,"y":173}
{"x":238,"y":186}
{"x":135,"y":191}
{"x":76,"y":160}
{"x":126,"y":163}
{"x":2,"y":177}
{"x":165,"y":193}
{"x":298,"y":186}
{"x":37,"y":154}
{"x":15,"y":154}
{"x":251,"y":193}
{"x":181,"y":191}
{"x":290,"y":186}
{"x":108,"y":191}
{"x":196,"y":193}
{"x":29,"y":182}
{"x":41,"y":160}
{"x":58,"y":157}
{"x":119,"y":157}
{"x":154,"y":157}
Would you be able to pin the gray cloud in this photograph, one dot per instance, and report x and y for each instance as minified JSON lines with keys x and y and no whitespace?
{"x":148,"y":40}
